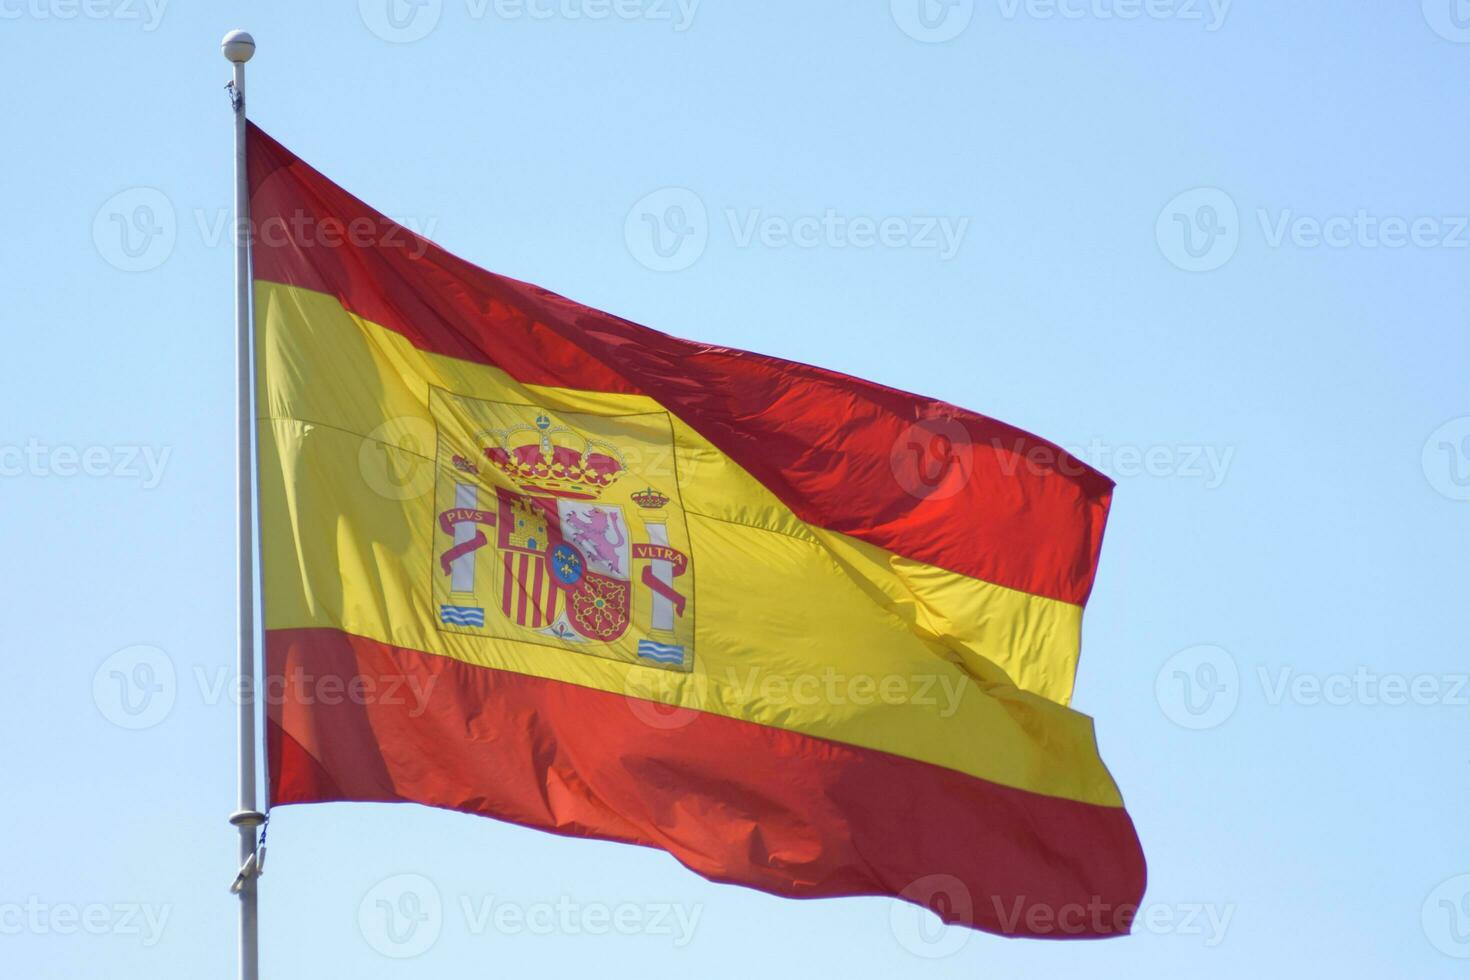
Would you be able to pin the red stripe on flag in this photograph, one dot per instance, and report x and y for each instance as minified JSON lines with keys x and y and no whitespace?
{"x":536,"y":593}
{"x":521,"y":591}
{"x":964,"y":492}
{"x":736,"y":802}
{"x":505,"y":598}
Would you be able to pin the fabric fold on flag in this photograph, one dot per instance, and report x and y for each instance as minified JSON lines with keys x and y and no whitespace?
{"x":804,"y":632}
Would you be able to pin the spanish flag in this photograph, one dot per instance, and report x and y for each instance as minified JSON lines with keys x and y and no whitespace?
{"x":532,"y":561}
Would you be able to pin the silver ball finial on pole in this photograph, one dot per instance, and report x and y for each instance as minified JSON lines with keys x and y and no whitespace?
{"x":238,"y":46}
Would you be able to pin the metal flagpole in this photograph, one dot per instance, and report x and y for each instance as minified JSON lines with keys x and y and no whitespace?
{"x":238,"y":46}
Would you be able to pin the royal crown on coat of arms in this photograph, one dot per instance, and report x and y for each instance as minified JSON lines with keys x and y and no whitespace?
{"x":554,"y":460}
{"x":648,"y":498}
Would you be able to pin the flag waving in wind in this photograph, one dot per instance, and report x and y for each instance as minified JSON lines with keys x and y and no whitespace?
{"x":528,"y":560}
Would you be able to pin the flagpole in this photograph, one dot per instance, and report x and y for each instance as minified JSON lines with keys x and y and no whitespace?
{"x":237,"y":47}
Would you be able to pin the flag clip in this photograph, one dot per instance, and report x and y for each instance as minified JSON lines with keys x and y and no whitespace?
{"x":254,"y":865}
{"x":250,"y":869}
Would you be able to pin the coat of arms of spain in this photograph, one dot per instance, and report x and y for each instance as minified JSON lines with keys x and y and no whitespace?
{"x":562,"y":529}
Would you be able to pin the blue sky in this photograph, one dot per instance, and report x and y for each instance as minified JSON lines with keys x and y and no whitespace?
{"x":1218,"y":250}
